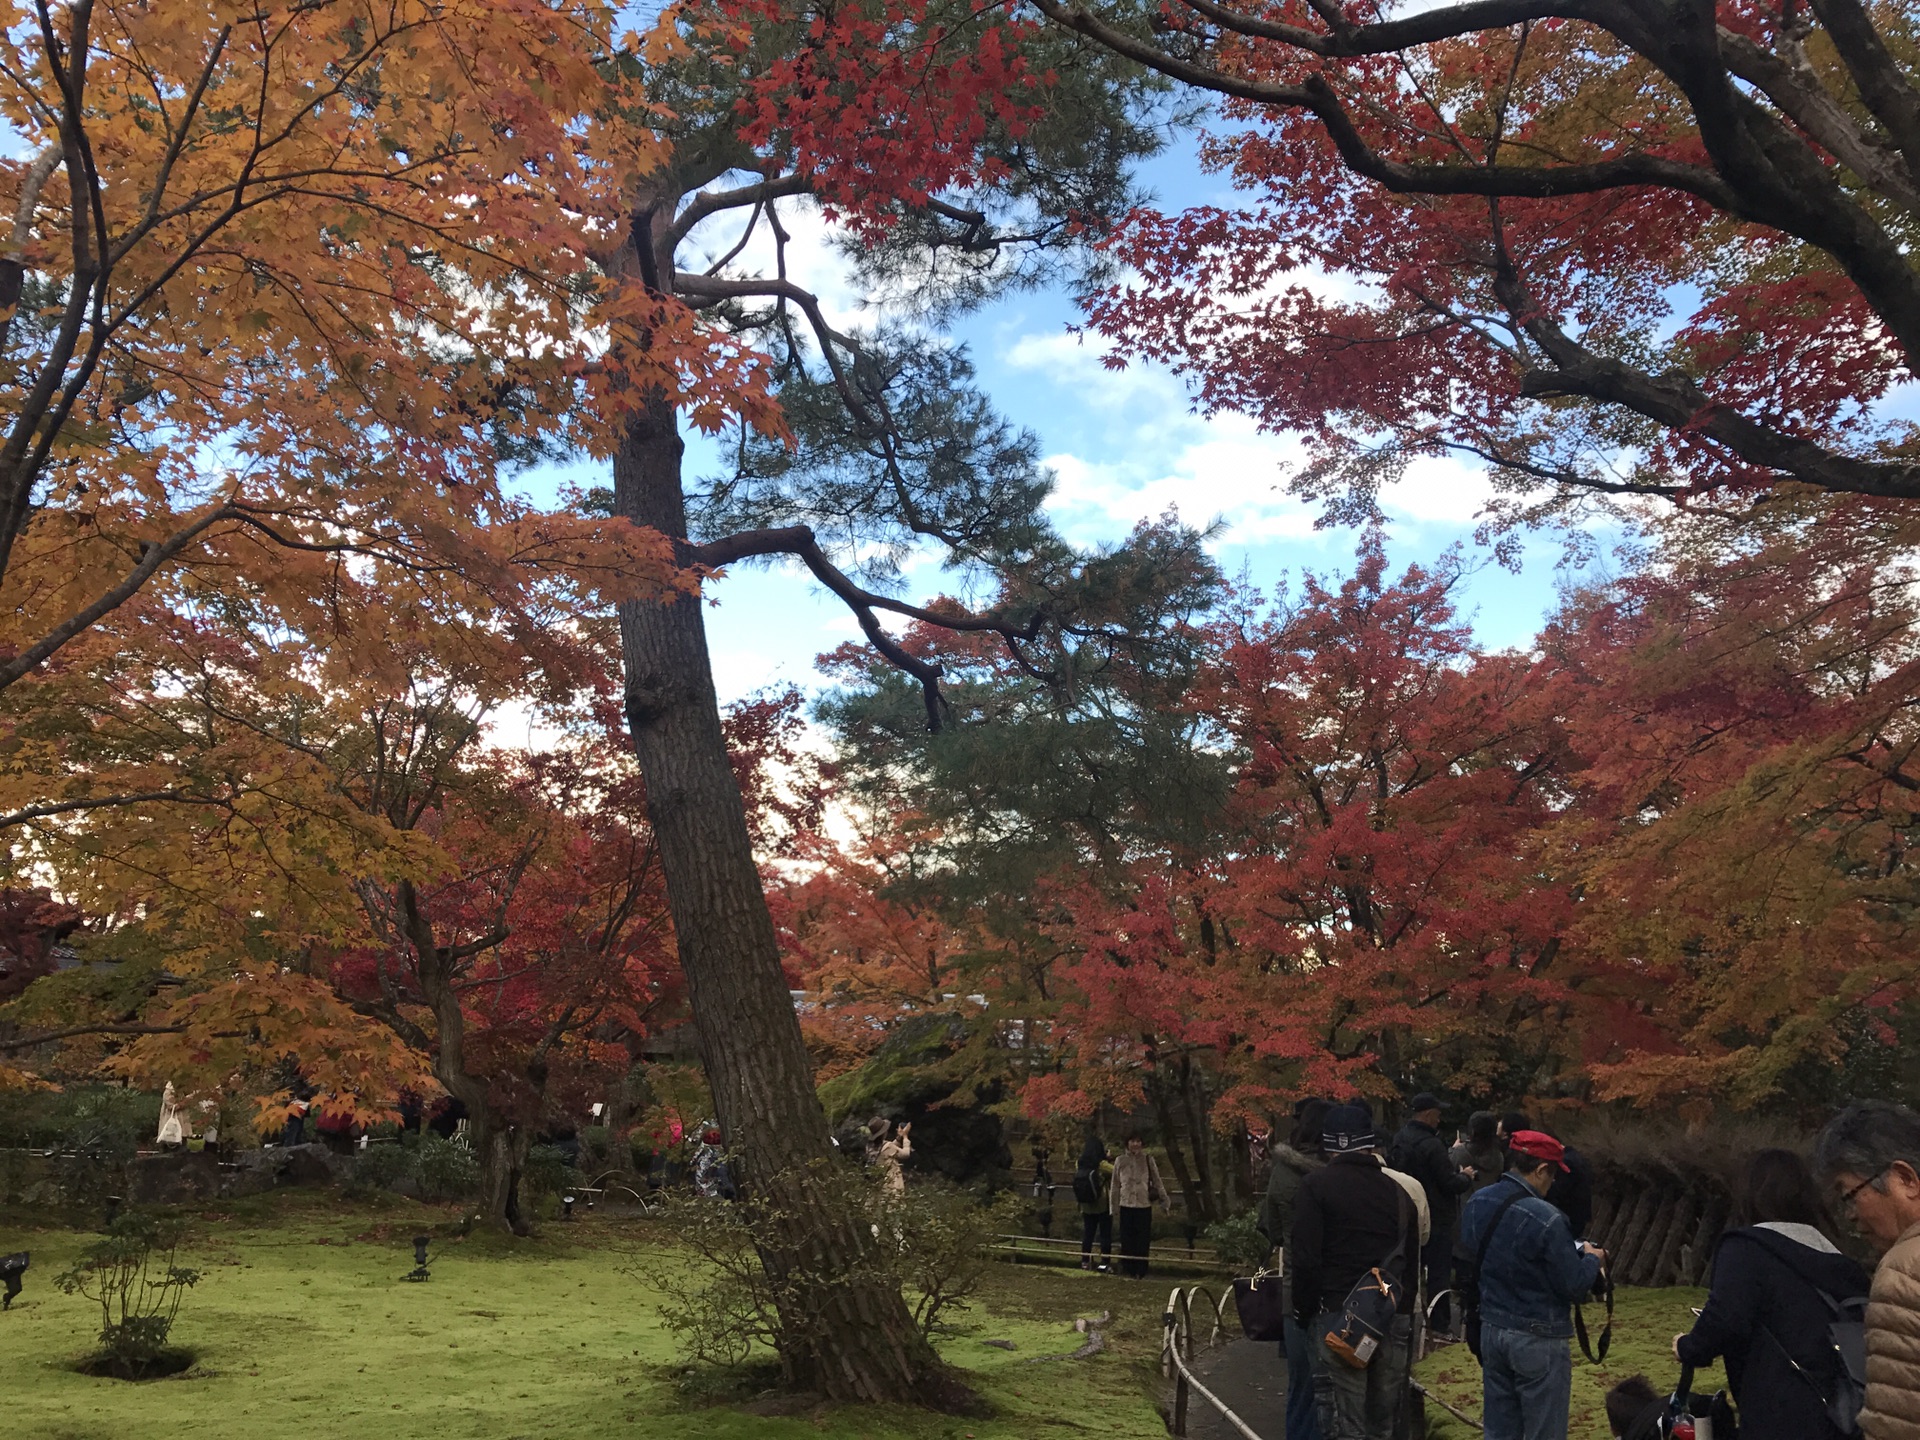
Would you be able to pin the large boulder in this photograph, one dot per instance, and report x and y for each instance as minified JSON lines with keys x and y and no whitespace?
{"x":277,"y":1165}
{"x":181,"y":1177}
{"x":927,"y":1072}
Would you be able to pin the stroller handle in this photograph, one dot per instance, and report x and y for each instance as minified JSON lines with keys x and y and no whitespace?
{"x":1680,"y":1402}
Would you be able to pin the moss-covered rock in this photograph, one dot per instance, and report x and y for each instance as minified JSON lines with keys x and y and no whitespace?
{"x":934,"y":1071}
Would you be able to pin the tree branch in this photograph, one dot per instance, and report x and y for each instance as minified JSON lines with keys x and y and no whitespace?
{"x":1317,"y":95}
{"x":799,"y":542}
{"x":27,"y":1042}
{"x":713,"y":202}
{"x":67,"y":807}
{"x":1794,"y":87}
{"x":1676,"y":401}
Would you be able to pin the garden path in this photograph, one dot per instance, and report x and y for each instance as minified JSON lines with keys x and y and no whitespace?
{"x":1251,"y":1378}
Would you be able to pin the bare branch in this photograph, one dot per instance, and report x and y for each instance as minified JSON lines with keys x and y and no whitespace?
{"x":712,"y":202}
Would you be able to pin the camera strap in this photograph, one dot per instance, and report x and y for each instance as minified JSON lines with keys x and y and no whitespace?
{"x":1596,"y":1352}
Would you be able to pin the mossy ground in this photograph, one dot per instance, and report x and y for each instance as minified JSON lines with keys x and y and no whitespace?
{"x":1644,"y":1324}
{"x":303,"y":1327}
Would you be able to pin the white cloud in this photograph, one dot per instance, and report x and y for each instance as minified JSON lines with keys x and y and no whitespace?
{"x":1207,"y":468}
{"x":1210,"y":467}
{"x":1439,"y":491}
{"x":1237,"y":479}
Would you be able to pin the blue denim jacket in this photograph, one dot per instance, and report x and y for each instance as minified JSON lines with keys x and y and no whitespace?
{"x":1534,"y":1271}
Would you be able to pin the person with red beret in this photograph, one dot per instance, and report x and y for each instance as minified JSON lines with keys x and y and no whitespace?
{"x":1532,"y":1273}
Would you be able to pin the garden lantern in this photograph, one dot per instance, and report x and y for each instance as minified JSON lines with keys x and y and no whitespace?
{"x":419,"y":1271}
{"x":12,"y":1267}
{"x":566,"y":1207}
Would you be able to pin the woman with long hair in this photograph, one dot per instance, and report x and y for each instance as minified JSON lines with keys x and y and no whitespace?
{"x":1092,"y":1179}
{"x":1768,"y":1313}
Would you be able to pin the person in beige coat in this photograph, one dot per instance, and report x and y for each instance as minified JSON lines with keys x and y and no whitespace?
{"x":1870,"y":1154}
{"x":886,"y":1148}
{"x":1135,"y":1191}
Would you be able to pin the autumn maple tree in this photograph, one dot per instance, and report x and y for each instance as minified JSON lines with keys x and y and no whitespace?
{"x":379,"y":896}
{"x":1743,"y":717}
{"x":1365,"y":897}
{"x":1603,"y":247}
{"x":284,"y":283}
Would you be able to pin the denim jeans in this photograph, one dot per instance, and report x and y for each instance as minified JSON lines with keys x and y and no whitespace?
{"x":1529,"y":1384}
{"x":1303,"y":1418}
{"x":1361,"y":1404}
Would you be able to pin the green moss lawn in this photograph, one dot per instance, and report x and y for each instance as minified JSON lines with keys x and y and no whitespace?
{"x":302,"y":1327}
{"x":1644,"y":1324}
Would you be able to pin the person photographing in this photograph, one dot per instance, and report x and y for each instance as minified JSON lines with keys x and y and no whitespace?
{"x":1530,"y":1272}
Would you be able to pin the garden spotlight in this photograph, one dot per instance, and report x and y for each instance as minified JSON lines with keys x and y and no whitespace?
{"x":12,"y":1267}
{"x":566,"y":1207}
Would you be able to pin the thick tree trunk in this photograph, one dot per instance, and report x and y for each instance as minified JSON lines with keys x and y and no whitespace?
{"x":855,"y":1339}
{"x":501,"y":1150}
{"x":1176,"y":1153}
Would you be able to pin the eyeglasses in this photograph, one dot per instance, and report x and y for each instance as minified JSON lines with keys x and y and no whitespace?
{"x":1852,"y":1193}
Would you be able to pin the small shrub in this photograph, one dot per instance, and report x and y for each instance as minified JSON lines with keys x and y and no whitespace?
{"x":598,"y":1148}
{"x":131,"y":1275}
{"x":724,"y":1308}
{"x":1240,"y":1242}
{"x":92,"y":1130}
{"x":379,"y":1166}
{"x":946,"y":1237}
{"x":446,"y":1169}
{"x":547,"y":1172}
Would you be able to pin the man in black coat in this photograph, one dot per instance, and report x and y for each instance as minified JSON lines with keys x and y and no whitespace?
{"x":1349,"y":1217}
{"x":1419,"y":1151}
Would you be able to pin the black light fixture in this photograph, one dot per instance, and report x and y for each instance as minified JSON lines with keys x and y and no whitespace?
{"x":12,"y":1267}
{"x":419,"y":1271}
{"x":566,"y":1207}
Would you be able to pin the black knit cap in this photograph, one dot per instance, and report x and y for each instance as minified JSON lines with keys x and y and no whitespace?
{"x":1345,"y":1129}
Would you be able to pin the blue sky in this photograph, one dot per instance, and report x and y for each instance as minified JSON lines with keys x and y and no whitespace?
{"x":1125,"y":446}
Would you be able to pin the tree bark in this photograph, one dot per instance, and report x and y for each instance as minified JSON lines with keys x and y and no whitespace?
{"x":853,"y":1338}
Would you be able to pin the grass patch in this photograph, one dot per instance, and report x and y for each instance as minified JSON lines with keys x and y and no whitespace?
{"x":301,"y":1324}
{"x":1644,"y":1324}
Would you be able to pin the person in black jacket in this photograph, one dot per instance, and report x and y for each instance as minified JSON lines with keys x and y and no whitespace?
{"x":1419,"y":1151}
{"x":1349,"y":1217}
{"x":1764,"y":1314}
{"x":1572,"y":1192}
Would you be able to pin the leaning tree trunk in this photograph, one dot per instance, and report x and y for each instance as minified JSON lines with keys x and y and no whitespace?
{"x":499,"y":1147}
{"x":847,"y":1334}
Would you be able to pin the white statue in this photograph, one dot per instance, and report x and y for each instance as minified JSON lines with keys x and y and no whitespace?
{"x":173,"y":1130}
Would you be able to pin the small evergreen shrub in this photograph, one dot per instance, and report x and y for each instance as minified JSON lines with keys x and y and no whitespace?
{"x":724,"y":1308}
{"x":445,"y":1169}
{"x":379,"y":1167}
{"x":548,"y":1173}
{"x":1240,"y":1242}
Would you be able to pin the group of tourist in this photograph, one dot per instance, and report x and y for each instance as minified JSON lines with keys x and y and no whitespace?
{"x":1118,"y":1192}
{"x":1361,"y":1225}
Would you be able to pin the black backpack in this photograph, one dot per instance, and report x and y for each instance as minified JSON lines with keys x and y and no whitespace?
{"x":1085,"y":1188}
{"x":1845,"y":1393}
